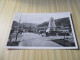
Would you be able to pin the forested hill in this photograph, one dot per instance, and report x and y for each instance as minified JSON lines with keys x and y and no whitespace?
{"x":58,"y":22}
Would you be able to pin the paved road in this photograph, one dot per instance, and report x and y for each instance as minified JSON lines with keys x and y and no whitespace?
{"x":31,"y":39}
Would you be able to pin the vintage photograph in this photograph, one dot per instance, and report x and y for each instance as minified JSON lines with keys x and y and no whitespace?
{"x":42,"y":31}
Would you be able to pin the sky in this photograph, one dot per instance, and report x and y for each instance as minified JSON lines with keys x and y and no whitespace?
{"x":38,"y":18}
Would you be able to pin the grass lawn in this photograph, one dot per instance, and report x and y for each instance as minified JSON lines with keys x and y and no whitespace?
{"x":63,"y":42}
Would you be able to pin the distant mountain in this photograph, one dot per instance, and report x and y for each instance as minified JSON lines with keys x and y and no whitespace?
{"x":24,"y":25}
{"x":59,"y":22}
{"x":62,"y":22}
{"x":30,"y":24}
{"x":43,"y":24}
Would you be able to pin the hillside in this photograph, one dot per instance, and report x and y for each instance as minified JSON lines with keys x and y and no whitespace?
{"x":59,"y":22}
{"x":43,"y":24}
{"x":15,"y":23}
{"x":29,"y":24}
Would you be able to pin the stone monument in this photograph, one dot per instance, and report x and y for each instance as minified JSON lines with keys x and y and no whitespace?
{"x":51,"y":25}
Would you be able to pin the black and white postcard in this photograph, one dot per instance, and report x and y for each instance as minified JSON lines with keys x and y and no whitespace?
{"x":42,"y":31}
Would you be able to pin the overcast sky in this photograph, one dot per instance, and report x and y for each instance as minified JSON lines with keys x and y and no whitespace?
{"x":38,"y":18}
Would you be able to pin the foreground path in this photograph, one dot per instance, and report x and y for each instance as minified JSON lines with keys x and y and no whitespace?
{"x":35,"y":40}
